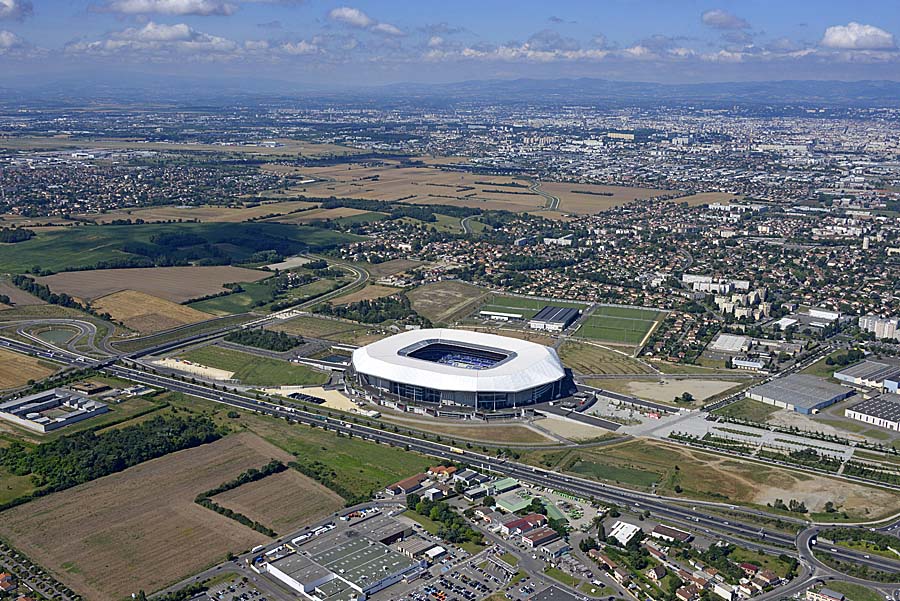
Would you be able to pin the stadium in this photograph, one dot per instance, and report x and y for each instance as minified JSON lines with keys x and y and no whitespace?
{"x":459,"y":367}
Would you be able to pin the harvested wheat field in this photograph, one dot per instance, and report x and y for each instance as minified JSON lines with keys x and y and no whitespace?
{"x":305,"y":217}
{"x":18,"y":297}
{"x":203,"y":213}
{"x":371,"y":292}
{"x":140,"y":529}
{"x":146,"y":314}
{"x":703,"y":198}
{"x":16,"y":370}
{"x":176,"y":284}
{"x":284,"y":502}
{"x":594,"y":198}
{"x":441,"y":301}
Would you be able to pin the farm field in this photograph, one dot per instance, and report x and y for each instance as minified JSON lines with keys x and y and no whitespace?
{"x":442,"y":302}
{"x":254,"y":369}
{"x":176,"y":284}
{"x":594,"y":198}
{"x":623,"y":325}
{"x":18,"y":297}
{"x":239,"y":302}
{"x":419,"y":185}
{"x":284,"y":501}
{"x":369,"y":292}
{"x":704,"y":475}
{"x":330,"y":329}
{"x":319,"y":214}
{"x":16,"y":370}
{"x":203,"y":213}
{"x":359,"y":466}
{"x":145,"y":313}
{"x":587,"y":358}
{"x":143,"y":516}
{"x":703,"y":198}
{"x":86,"y":246}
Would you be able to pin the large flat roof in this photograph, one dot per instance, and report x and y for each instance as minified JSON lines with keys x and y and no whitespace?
{"x":870,"y":370}
{"x":551,"y":314}
{"x":801,"y":390}
{"x":529,"y":364}
{"x":886,"y":406}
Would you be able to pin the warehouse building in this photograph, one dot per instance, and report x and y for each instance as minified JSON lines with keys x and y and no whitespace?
{"x":50,"y":410}
{"x":882,"y":411}
{"x":553,"y":319}
{"x":800,"y":392}
{"x":868,"y":374}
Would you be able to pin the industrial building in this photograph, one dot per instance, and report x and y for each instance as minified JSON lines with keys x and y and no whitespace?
{"x":553,"y":319}
{"x":799,"y":392}
{"x":341,"y":566}
{"x":882,"y":411}
{"x":462,"y":368}
{"x":868,"y":374}
{"x":50,"y":410}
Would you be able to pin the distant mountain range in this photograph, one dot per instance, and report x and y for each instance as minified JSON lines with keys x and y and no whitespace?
{"x":137,"y":87}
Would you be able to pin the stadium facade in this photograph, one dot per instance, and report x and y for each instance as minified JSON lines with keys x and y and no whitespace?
{"x":463,"y":368}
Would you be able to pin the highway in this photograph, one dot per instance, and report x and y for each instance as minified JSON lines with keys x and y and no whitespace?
{"x":660,"y":507}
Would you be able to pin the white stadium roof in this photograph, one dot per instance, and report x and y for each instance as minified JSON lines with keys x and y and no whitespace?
{"x":530,"y":365}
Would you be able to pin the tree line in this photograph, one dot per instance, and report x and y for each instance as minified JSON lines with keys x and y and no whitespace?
{"x":265,"y":339}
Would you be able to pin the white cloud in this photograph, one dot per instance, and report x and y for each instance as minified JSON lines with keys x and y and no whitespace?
{"x":300,"y":48}
{"x":159,"y":38}
{"x":856,"y":36}
{"x":435,"y":41}
{"x":170,"y":7}
{"x":351,"y":16}
{"x":8,"y":41}
{"x":357,"y":18}
{"x":722,"y":19}
{"x":15,"y":10}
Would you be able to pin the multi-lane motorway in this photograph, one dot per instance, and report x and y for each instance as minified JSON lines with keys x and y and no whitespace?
{"x":698,"y":515}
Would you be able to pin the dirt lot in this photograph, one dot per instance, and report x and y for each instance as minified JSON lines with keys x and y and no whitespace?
{"x":392,"y":267}
{"x":176,"y":284}
{"x":587,"y":358}
{"x":140,"y":529}
{"x":666,"y":390}
{"x":206,"y":213}
{"x":16,"y":370}
{"x":145,"y":313}
{"x":592,"y":198}
{"x":441,"y":301}
{"x":370,"y":292}
{"x":284,"y":502}
{"x":195,"y":368}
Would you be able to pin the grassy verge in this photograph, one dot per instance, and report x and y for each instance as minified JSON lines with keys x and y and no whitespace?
{"x":256,"y":370}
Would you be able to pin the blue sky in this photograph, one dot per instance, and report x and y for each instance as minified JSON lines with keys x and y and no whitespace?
{"x":370,"y":43}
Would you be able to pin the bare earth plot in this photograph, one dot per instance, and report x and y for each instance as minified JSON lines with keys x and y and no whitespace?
{"x":441,"y":301}
{"x":284,"y":502}
{"x":665,"y":391}
{"x":587,"y":358}
{"x":140,"y":529}
{"x":594,"y":198}
{"x":16,"y":370}
{"x":145,"y":313}
{"x":392,"y":267}
{"x":205,"y":213}
{"x":176,"y":284}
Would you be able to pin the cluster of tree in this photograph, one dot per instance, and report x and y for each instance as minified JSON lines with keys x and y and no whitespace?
{"x":236,"y":516}
{"x":851,"y":356}
{"x":717,"y":557}
{"x":376,"y":310}
{"x":857,"y":570}
{"x":265,"y":339}
{"x":252,"y":475}
{"x":879,"y":540}
{"x":84,"y":456}
{"x":13,"y":235}
{"x":453,"y":527}
{"x":44,"y":293}
{"x":537,"y":506}
{"x":5,"y":300}
{"x":793,"y":505}
{"x":316,"y":264}
{"x":327,"y":477}
{"x":862,"y":470}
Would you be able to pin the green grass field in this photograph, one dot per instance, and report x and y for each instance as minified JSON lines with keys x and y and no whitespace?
{"x":236,"y":303}
{"x":256,"y":370}
{"x":85,"y":246}
{"x":748,"y":409}
{"x":589,"y":359}
{"x":625,"y":475}
{"x":624,"y":325}
{"x":130,"y":346}
{"x":854,"y":592}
